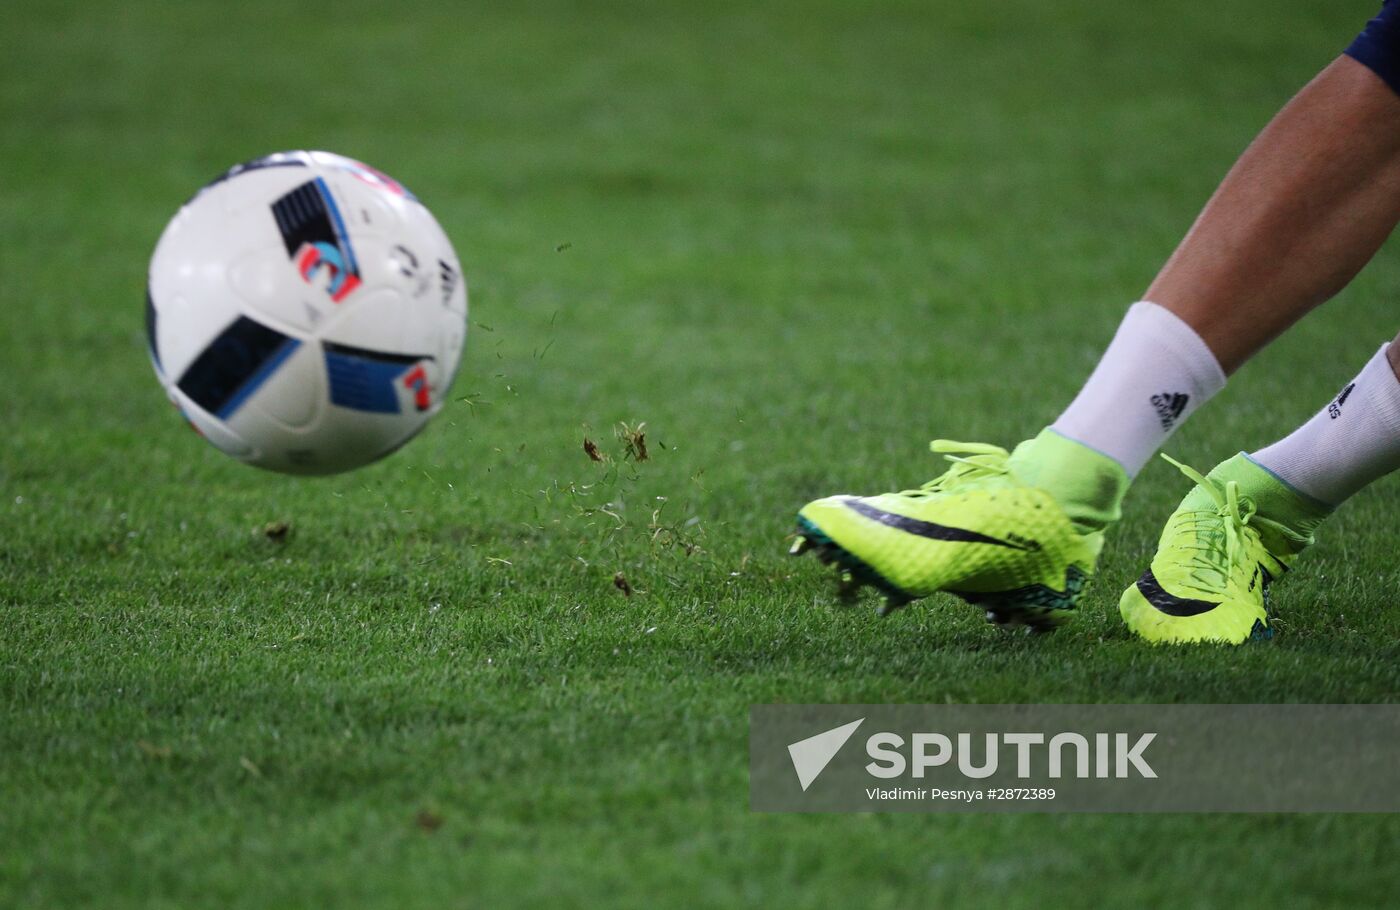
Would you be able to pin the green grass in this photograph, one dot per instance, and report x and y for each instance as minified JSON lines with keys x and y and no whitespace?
{"x":797,"y":241}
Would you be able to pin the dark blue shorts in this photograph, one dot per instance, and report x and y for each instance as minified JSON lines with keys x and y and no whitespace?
{"x":1378,"y":45}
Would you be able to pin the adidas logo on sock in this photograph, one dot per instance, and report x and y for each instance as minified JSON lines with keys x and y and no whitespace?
{"x":1169,"y":406}
{"x":1334,"y":410}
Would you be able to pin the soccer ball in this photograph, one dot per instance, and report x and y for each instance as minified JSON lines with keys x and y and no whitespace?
{"x":305,"y":313}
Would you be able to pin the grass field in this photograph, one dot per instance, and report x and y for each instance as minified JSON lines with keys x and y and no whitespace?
{"x":797,"y":241}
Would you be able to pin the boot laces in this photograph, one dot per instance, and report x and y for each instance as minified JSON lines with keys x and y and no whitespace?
{"x":1219,"y":535}
{"x":971,"y":461}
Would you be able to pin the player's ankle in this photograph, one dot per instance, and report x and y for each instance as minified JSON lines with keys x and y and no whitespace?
{"x":1349,"y":443}
{"x":1088,"y":484}
{"x":1155,"y":373}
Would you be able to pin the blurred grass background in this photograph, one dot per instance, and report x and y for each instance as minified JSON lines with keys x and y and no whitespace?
{"x":796,"y":240}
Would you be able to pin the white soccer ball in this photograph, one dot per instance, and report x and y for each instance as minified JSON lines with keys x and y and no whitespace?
{"x":306,"y":313}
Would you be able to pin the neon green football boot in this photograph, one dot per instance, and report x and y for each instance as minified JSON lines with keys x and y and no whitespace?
{"x":1017,"y":534}
{"x":1209,"y":580}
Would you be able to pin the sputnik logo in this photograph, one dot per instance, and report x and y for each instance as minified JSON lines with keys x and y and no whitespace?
{"x":810,"y":756}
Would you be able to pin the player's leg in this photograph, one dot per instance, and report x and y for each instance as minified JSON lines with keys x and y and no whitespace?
{"x":1300,"y":213}
{"x":1247,"y":520}
{"x":1209,"y":582}
{"x":1305,"y":207}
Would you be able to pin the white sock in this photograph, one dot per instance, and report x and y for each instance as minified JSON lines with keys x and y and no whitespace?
{"x":1155,"y":373}
{"x":1346,"y":445}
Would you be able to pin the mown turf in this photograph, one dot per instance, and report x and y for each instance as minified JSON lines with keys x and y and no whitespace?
{"x":797,"y":241}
